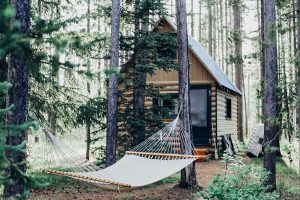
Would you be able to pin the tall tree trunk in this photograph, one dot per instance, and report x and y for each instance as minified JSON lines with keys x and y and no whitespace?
{"x":222,"y":35}
{"x":298,"y":64}
{"x":262,"y":58}
{"x":214,"y":30}
{"x":238,"y":63}
{"x":188,"y":175}
{"x":226,"y":38}
{"x":270,"y":97}
{"x":210,"y":31}
{"x":139,"y":77}
{"x":192,"y":19}
{"x":200,"y":24}
{"x":112,"y":119}
{"x":18,"y":76}
{"x":88,"y":86}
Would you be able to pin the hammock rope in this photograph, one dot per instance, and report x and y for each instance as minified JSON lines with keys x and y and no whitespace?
{"x":158,"y":157}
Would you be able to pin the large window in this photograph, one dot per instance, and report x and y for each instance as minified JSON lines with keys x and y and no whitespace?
{"x":166,"y":106}
{"x":228,"y":108}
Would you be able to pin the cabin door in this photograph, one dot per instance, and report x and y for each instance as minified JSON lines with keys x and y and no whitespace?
{"x":200,"y":113}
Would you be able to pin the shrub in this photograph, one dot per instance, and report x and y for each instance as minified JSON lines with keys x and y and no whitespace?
{"x":240,"y":182}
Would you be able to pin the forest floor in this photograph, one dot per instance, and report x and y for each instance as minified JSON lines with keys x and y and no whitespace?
{"x":61,"y":188}
{"x":165,"y":189}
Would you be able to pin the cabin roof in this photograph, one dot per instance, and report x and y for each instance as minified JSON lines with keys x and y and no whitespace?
{"x":208,"y":62}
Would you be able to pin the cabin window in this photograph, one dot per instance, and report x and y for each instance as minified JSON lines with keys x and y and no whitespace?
{"x":228,"y":108}
{"x":167,"y":106}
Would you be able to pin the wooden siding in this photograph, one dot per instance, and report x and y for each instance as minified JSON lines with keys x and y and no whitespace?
{"x":213,"y":99}
{"x":198,"y":71}
{"x":226,"y":126}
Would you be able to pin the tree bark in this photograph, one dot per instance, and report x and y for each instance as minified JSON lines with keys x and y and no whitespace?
{"x":200,"y":24}
{"x":88,"y":86}
{"x":214,"y":30}
{"x":188,"y":175}
{"x":226,"y":37}
{"x":18,"y":76}
{"x":238,"y":63}
{"x":112,"y":119}
{"x":222,"y":35}
{"x":270,"y":97}
{"x":298,"y":64}
{"x":210,"y":45}
{"x":192,"y":19}
{"x":139,"y":77}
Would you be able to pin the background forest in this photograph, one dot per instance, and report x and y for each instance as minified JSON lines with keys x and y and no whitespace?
{"x":57,"y":55}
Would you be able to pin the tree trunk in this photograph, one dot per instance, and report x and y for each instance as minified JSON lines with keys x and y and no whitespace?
{"x":88,"y":86}
{"x":112,"y":119}
{"x":200,"y":24}
{"x":238,"y":63}
{"x":18,"y":76}
{"x":262,"y":58}
{"x":192,"y":19}
{"x":222,"y":35}
{"x":188,"y":175}
{"x":226,"y":37}
{"x":214,"y":30}
{"x":298,"y":63}
{"x":270,"y":97}
{"x":210,"y":46}
{"x":139,"y":77}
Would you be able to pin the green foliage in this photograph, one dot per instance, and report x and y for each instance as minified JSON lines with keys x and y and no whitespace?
{"x":239,"y":182}
{"x":288,"y":185}
{"x":8,"y":130}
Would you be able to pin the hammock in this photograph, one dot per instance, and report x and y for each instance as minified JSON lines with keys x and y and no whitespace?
{"x":166,"y":152}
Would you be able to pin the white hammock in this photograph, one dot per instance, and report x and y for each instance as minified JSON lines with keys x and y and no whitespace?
{"x":163,"y":154}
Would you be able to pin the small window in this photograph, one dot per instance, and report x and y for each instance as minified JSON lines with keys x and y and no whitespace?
{"x":228,"y":108}
{"x":167,"y":106}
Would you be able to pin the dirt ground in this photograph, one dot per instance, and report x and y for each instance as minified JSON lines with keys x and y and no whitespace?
{"x":205,"y":172}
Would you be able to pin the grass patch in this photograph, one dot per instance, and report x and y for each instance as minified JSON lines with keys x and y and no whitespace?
{"x":288,"y":184}
{"x":60,"y":183}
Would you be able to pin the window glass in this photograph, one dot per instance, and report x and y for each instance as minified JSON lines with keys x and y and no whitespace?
{"x":228,"y":108}
{"x":199,"y":107}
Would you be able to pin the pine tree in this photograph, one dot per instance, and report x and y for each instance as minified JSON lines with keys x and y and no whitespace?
{"x":298,"y":64}
{"x":270,"y":96}
{"x":188,"y":175}
{"x":18,"y":76}
{"x":112,"y":127}
{"x":238,"y":60}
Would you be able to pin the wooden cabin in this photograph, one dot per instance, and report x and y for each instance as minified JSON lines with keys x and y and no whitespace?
{"x":213,"y":96}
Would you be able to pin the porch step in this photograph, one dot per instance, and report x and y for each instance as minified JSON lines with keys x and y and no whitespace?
{"x":204,"y":152}
{"x":201,"y":151}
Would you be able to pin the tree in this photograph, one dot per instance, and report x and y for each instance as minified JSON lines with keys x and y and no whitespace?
{"x":188,"y":175}
{"x":112,"y":120}
{"x":270,"y":97}
{"x":88,"y":85}
{"x":210,"y":28}
{"x":18,"y":76}
{"x":238,"y":60}
{"x":298,"y":63}
{"x":139,"y":73}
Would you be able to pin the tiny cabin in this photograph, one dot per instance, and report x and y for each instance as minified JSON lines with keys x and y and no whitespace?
{"x":213,"y":96}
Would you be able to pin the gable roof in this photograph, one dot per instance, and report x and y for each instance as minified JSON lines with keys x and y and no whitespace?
{"x":208,"y":62}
